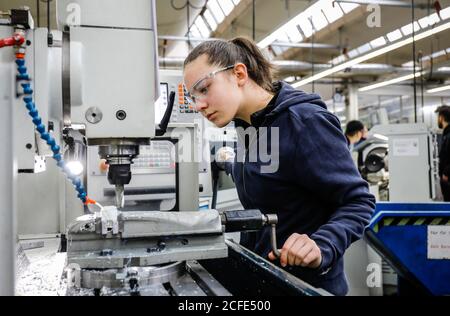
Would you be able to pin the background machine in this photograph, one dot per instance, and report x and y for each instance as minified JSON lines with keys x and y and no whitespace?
{"x":408,"y":230}
{"x":393,"y":151}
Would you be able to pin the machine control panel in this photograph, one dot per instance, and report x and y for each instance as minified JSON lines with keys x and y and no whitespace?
{"x":183,"y":104}
{"x":183,"y":112}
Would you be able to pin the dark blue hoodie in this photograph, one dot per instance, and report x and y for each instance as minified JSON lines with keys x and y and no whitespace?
{"x":316,"y":190}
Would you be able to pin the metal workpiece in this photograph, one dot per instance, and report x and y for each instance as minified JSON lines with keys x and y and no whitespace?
{"x":113,"y":239}
{"x":109,"y":220}
{"x":145,"y":224}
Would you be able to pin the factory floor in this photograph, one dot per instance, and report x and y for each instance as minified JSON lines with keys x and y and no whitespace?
{"x":40,"y":269}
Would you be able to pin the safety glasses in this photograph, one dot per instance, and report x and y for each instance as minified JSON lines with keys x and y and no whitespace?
{"x":199,"y":90}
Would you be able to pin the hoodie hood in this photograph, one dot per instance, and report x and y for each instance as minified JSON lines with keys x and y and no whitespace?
{"x":288,"y":96}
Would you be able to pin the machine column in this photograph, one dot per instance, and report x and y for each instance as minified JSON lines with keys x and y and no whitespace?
{"x":7,"y":177}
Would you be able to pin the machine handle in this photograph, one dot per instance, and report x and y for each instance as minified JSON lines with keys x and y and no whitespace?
{"x":273,"y":240}
{"x":166,"y":118}
{"x":251,"y":220}
{"x":244,"y":220}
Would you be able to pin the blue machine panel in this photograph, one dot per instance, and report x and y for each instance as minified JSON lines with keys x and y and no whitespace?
{"x":399,"y":233}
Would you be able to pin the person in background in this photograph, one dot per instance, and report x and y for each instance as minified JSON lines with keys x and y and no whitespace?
{"x":444,"y":150}
{"x":354,"y":133}
{"x":364,"y":136}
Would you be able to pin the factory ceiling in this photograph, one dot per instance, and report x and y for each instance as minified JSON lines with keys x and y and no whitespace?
{"x":329,"y":32}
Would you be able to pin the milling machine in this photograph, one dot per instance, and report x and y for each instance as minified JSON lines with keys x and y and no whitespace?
{"x":88,"y":70}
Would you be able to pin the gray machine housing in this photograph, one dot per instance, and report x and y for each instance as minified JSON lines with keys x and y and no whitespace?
{"x":413,"y":162}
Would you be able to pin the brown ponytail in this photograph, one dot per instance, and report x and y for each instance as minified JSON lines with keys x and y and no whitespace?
{"x":238,"y":50}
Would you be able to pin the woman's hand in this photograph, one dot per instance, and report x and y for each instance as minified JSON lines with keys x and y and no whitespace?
{"x":299,"y":250}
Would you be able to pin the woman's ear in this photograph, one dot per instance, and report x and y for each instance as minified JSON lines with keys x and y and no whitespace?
{"x":241,"y":73}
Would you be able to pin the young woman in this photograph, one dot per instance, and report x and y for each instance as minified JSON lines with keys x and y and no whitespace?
{"x":321,"y":201}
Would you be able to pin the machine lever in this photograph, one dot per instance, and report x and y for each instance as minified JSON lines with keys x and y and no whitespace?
{"x":251,"y":220}
{"x":273,"y":240}
{"x":166,"y":118}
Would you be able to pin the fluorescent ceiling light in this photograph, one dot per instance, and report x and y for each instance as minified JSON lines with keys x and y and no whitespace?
{"x":216,"y":11}
{"x":214,"y":14}
{"x":319,"y":21}
{"x":380,"y":41}
{"x":408,"y":29}
{"x":227,"y":6}
{"x":367,"y":47}
{"x":445,"y":13}
{"x":395,"y":35}
{"x":353,"y":53}
{"x":377,"y":52}
{"x":210,"y":19}
{"x":389,"y":82}
{"x":195,"y":32}
{"x":429,"y":20}
{"x":332,"y":12}
{"x":204,"y":30}
{"x":306,"y":27}
{"x":320,"y":14}
{"x":426,"y":58}
{"x":440,"y":89}
{"x":293,"y":32}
